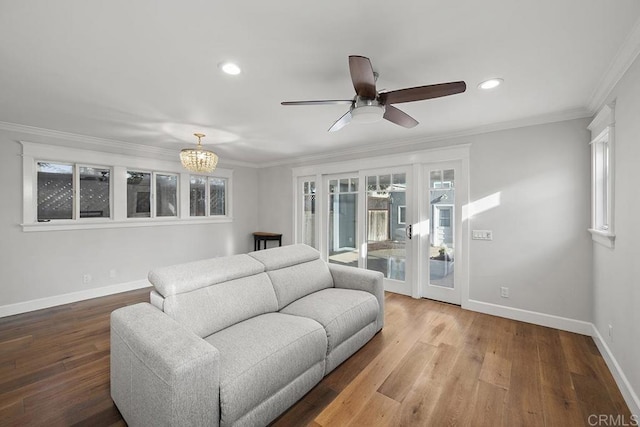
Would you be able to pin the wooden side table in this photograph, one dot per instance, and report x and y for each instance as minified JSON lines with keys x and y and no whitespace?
{"x":261,"y":236}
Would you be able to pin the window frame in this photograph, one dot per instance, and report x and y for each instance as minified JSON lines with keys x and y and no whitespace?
{"x":118,"y":164}
{"x":602,"y":195}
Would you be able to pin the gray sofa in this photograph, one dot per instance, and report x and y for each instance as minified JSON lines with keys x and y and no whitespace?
{"x":235,"y":341}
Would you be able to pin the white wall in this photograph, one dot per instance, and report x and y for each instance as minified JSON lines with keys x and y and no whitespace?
{"x":275,"y":202}
{"x":541,"y":248}
{"x":37,"y":265}
{"x":617,"y":270}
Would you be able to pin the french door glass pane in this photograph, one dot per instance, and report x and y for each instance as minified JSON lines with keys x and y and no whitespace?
{"x":55,"y":191}
{"x":343,"y":221}
{"x":442,"y":244}
{"x":94,"y":192}
{"x":138,"y":194}
{"x":198,"y":196}
{"x":386,"y":222}
{"x":309,"y":214}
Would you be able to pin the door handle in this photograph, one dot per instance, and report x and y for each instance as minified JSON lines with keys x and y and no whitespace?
{"x":409,"y":231}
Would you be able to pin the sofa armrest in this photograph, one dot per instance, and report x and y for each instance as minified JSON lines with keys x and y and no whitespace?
{"x":363,"y":280}
{"x":161,"y":373}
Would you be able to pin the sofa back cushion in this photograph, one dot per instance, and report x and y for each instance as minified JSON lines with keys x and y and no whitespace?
{"x":295,"y":271}
{"x":181,"y":278}
{"x":208,"y":296}
{"x":208,"y":310}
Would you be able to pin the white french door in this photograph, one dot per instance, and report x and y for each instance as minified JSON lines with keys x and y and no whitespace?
{"x":441,"y":231}
{"x":401,"y":215}
{"x":386,"y":225}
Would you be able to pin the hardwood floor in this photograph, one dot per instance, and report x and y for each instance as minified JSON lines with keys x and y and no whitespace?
{"x":433,"y":364}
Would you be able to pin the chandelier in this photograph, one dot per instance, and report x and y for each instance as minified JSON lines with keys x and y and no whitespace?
{"x":198,"y":159}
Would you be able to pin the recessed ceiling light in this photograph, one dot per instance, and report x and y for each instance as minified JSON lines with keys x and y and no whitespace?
{"x":490,"y":84}
{"x":230,"y":68}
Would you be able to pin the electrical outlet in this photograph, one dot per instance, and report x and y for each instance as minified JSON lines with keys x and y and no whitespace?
{"x":610,"y":332}
{"x":113,"y":273}
{"x":504,"y":292}
{"x":86,"y":279}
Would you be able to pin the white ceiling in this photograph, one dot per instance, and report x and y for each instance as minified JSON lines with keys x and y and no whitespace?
{"x":145,"y":72}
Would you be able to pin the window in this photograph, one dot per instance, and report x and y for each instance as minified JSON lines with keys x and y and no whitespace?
{"x":166,"y":195}
{"x":208,"y":196}
{"x":55,"y":191}
{"x":67,"y":191}
{"x":198,"y":196}
{"x":445,"y":217}
{"x":402,"y":214}
{"x":602,"y":131}
{"x":217,"y":196}
{"x":140,"y":193}
{"x":600,"y":148}
{"x":66,"y":188}
{"x":95,"y":193}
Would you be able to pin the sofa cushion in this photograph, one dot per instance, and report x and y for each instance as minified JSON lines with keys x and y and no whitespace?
{"x":187,"y":277}
{"x":285,"y":256}
{"x":261,"y":355}
{"x":213,"y":308}
{"x":294,"y":282}
{"x":295,"y":271}
{"x":342,"y":312}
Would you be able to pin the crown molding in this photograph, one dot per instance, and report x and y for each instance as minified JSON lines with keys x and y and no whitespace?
{"x":107,"y":145}
{"x":624,"y":58}
{"x":91,"y":141}
{"x":560,"y":116}
{"x":103,"y":144}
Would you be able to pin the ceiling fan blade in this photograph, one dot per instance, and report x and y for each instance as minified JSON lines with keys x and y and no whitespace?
{"x":422,"y":92}
{"x":323,"y":102}
{"x":399,"y":117}
{"x":364,"y":81}
{"x":341,"y":122}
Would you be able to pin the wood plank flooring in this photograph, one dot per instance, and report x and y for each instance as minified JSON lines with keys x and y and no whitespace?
{"x":433,"y":364}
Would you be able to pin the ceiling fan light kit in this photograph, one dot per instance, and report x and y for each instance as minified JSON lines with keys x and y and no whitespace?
{"x":366,"y":110}
{"x":198,"y":159}
{"x":369,"y":105}
{"x":367,"y":114}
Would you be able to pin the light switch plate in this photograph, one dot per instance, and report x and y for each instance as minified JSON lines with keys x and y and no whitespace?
{"x":482,"y":235}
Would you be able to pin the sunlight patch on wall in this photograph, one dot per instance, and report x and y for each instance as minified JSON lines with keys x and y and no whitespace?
{"x":481,"y":205}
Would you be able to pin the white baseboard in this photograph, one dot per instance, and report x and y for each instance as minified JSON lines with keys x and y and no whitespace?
{"x":630,"y":396}
{"x":38,"y":304}
{"x":549,"y":320}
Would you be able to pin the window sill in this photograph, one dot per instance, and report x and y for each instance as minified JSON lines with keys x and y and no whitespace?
{"x":602,"y":237}
{"x":133,"y":222}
